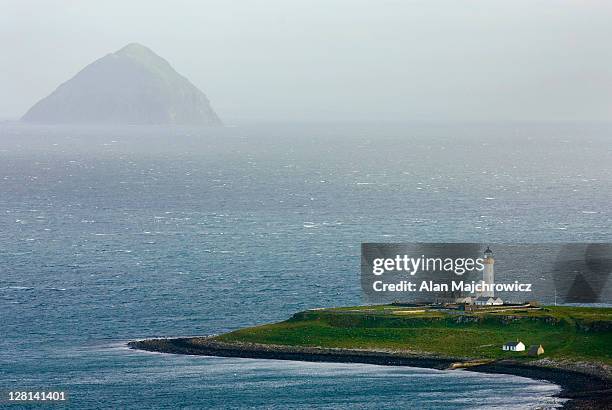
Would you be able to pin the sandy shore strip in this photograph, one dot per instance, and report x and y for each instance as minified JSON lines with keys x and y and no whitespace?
{"x":586,"y":386}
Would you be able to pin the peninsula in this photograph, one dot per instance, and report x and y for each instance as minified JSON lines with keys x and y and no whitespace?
{"x":573,"y":342}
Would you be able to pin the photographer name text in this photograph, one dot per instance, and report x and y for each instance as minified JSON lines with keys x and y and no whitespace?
{"x":462,"y":286}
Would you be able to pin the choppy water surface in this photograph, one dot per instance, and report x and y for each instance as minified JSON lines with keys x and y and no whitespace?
{"x":114,"y":234}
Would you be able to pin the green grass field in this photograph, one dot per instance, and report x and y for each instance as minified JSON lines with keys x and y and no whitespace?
{"x":572,"y":333}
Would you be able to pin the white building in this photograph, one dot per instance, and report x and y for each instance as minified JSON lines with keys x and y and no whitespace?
{"x":488,"y":273}
{"x":488,"y":301}
{"x":514,"y":346}
{"x":468,"y":300}
{"x":487,"y":296}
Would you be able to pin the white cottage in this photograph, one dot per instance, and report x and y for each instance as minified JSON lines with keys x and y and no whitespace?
{"x":488,"y":301}
{"x":468,"y":300}
{"x":514,"y":346}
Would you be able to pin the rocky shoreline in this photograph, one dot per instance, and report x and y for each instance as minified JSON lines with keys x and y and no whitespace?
{"x":587,"y":386}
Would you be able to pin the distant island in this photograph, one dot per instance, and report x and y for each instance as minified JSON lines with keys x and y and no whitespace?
{"x":131,"y":86}
{"x":569,"y":346}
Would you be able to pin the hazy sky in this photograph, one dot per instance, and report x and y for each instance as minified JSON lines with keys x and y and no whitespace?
{"x":322,"y":60}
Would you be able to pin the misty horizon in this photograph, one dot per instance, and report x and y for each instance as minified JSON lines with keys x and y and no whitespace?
{"x":346,"y":61}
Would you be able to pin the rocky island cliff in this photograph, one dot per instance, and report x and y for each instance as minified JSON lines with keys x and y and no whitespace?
{"x":131,"y":86}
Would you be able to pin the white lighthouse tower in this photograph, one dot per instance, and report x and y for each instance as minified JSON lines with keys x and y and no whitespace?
{"x":488,"y":273}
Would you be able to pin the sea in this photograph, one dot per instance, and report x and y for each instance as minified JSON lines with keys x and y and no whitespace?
{"x":112,"y":234}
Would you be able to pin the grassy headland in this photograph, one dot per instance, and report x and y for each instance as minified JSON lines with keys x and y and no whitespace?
{"x":577,"y":342}
{"x":567,"y":333}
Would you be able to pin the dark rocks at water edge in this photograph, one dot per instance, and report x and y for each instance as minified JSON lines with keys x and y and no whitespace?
{"x":586,"y":386}
{"x":209,"y":347}
{"x":131,"y":86}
